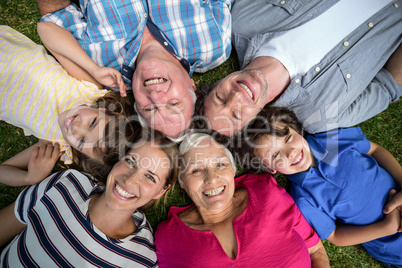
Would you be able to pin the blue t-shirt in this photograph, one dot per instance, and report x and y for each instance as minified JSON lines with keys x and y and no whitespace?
{"x":348,"y":186}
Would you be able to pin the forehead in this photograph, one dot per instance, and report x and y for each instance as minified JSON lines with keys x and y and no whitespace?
{"x":151,"y":157}
{"x":267,"y":143}
{"x":170,"y":124}
{"x":206,"y":149}
{"x":147,"y":149}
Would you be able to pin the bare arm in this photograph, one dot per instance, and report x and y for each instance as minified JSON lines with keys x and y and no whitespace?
{"x":63,"y":45}
{"x":394,"y":65}
{"x":31,"y":165}
{"x":387,"y":161}
{"x":10,"y":225}
{"x":318,"y":255}
{"x":47,"y":6}
{"x":352,"y":234}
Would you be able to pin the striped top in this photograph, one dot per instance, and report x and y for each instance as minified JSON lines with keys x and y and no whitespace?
{"x":198,"y":33}
{"x":35,"y":89}
{"x":60,"y":233}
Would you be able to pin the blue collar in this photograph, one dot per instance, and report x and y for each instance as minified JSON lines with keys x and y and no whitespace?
{"x":324,"y":147}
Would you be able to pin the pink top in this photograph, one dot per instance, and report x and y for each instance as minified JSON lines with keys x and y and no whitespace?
{"x":271,"y":231}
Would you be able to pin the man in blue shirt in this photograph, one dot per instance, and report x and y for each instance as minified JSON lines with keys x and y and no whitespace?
{"x":155,"y":45}
{"x":343,"y":86}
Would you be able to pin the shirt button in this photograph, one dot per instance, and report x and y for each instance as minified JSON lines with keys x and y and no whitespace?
{"x":145,"y":15}
{"x":283,"y":2}
{"x":396,"y":5}
{"x":165,"y":43}
{"x":370,"y":25}
{"x":346,"y":43}
{"x":348,"y":76}
{"x":317,"y":69}
{"x":297,"y":81}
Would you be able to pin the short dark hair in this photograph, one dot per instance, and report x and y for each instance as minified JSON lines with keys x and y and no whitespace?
{"x":274,"y":121}
{"x":198,"y":120}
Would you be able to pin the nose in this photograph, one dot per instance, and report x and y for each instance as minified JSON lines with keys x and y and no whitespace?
{"x":132,"y":178}
{"x":234,"y":99}
{"x":157,"y":96}
{"x":291,"y":152}
{"x":77,"y":128}
{"x":211,"y":176}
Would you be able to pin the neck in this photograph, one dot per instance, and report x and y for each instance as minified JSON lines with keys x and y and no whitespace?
{"x":230,"y":212}
{"x":150,"y":46}
{"x":216,"y":216}
{"x":276,"y":74}
{"x":115,"y":224}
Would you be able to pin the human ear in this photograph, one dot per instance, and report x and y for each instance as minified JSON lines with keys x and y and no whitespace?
{"x":270,"y":170}
{"x":162,"y":192}
{"x":193,"y":87}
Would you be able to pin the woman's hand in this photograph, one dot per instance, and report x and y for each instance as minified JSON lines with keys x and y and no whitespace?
{"x":42,"y":161}
{"x":111,"y":78}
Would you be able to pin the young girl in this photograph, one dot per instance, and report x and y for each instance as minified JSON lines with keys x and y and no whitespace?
{"x":40,"y":97}
{"x":339,"y":179}
{"x":72,"y":220}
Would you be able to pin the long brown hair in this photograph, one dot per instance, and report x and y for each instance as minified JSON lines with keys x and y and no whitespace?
{"x":118,"y":134}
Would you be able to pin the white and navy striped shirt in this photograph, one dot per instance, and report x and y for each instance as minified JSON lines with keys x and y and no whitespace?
{"x":60,"y":233}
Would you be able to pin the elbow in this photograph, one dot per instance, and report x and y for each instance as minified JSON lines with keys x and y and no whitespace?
{"x":44,"y":30}
{"x":41,"y":28}
{"x":338,"y":242}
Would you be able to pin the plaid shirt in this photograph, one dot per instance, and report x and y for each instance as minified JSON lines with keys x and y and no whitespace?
{"x":198,"y":33}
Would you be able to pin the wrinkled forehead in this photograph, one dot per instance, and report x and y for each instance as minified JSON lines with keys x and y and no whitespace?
{"x":206,"y":151}
{"x":221,"y":122}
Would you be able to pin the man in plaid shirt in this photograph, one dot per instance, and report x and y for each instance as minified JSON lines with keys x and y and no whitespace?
{"x":155,"y":45}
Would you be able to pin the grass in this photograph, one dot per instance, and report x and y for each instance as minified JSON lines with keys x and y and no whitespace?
{"x":384,"y":129}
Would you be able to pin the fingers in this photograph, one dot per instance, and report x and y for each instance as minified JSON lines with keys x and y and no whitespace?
{"x":56,"y":151}
{"x":47,"y":150}
{"x":392,"y":202}
{"x":122,"y":86}
{"x":35,"y":152}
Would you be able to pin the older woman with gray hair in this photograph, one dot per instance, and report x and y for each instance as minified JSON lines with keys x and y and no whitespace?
{"x":245,"y":222}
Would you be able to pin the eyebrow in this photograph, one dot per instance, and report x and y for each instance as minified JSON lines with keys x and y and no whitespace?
{"x":153,"y":174}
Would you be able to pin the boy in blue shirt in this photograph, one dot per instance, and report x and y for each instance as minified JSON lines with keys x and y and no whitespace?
{"x":340,"y":180}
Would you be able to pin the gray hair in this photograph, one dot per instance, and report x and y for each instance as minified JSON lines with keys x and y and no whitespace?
{"x":193,"y":140}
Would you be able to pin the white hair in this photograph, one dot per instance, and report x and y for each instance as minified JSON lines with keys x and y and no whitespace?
{"x":192,"y":140}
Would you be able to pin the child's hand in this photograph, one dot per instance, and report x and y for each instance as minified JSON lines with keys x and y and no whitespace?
{"x":395,"y":203}
{"x":110,"y":77}
{"x":42,"y":161}
{"x":392,"y":220}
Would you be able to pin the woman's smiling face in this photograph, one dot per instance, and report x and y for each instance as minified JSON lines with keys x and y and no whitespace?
{"x":138,"y":178}
{"x":208,"y":175}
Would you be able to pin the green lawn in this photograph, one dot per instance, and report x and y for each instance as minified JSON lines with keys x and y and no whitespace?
{"x":384,"y":129}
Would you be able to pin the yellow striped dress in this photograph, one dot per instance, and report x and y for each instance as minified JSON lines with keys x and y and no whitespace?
{"x":35,"y":89}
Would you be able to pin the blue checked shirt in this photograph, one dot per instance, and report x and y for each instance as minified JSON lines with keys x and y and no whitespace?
{"x":198,"y":33}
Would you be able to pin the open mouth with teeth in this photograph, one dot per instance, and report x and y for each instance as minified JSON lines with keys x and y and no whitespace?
{"x":248,"y":90}
{"x":154,"y":81}
{"x":68,"y":122}
{"x":122,"y":192}
{"x":298,"y":159}
{"x":214,"y":192}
